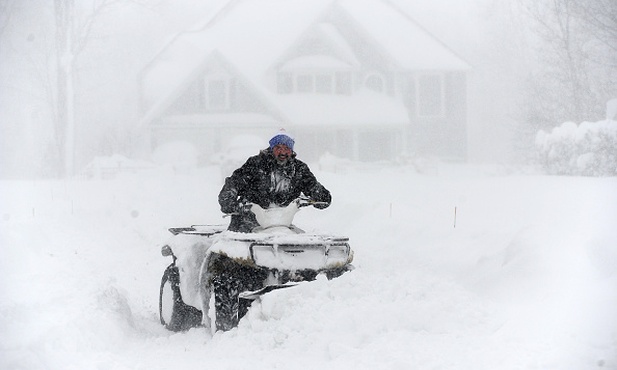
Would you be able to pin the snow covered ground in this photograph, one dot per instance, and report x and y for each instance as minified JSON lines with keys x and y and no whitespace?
{"x":526,"y":280}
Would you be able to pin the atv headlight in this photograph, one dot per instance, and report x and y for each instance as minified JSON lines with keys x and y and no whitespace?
{"x":263,"y":254}
{"x":337,"y":254}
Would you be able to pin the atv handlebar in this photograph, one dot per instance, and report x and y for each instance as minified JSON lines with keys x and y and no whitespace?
{"x":306,"y":201}
{"x":302,"y":201}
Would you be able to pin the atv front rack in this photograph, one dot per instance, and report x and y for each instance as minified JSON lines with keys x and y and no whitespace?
{"x":205,"y":230}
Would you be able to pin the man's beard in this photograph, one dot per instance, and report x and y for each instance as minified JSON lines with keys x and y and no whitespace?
{"x":282,"y":158}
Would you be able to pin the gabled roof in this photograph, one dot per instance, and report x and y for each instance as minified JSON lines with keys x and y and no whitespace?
{"x":409,"y":44}
{"x":177,"y":80}
{"x":253,"y":35}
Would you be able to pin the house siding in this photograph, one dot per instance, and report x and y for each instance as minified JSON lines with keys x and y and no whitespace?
{"x":442,"y":136}
{"x":456,"y":105}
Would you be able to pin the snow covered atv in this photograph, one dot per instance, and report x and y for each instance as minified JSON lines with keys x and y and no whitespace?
{"x":231,"y":269}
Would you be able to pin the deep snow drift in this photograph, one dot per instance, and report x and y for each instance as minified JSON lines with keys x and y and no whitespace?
{"x":526,"y":280}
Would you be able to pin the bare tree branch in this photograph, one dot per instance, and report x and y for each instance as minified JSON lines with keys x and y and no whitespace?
{"x":575,"y":37}
{"x":74,"y":30}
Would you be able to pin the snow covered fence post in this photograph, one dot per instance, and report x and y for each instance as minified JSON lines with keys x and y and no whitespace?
{"x":455,"y":217}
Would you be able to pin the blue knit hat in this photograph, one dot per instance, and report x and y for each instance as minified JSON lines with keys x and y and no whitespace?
{"x":282,"y":138}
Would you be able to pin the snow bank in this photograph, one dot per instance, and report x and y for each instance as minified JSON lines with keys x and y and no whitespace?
{"x":179,"y":155}
{"x":112,"y":166}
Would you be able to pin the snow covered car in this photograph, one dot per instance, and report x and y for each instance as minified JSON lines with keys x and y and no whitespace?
{"x":216,"y":272}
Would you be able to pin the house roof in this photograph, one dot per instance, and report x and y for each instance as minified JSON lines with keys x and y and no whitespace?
{"x":252,"y":35}
{"x":409,"y":44}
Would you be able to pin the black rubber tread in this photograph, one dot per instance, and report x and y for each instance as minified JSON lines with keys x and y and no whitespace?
{"x":228,"y":280}
{"x":183,"y":316}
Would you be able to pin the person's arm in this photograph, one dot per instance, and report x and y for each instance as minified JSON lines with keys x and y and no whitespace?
{"x":234,"y":187}
{"x":313,"y":189}
{"x":228,"y":196}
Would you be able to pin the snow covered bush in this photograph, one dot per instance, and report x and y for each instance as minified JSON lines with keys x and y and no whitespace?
{"x":110,"y":167}
{"x":181,"y":156}
{"x":589,"y":149}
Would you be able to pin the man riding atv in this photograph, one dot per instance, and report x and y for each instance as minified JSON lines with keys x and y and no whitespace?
{"x":260,"y":251}
{"x":273,"y":177}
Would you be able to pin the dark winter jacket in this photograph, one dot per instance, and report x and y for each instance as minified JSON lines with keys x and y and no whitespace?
{"x":261,"y":180}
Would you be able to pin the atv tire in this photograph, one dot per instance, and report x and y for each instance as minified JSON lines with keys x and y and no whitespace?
{"x":226,"y":302}
{"x":229,"y":279}
{"x":183,"y":317}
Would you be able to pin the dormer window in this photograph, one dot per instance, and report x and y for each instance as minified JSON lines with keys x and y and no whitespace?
{"x":316,"y":74}
{"x":323,"y":83}
{"x":320,"y":83}
{"x":304,"y":83}
{"x":375,"y":82}
{"x":343,"y":83}
{"x":285,"y":83}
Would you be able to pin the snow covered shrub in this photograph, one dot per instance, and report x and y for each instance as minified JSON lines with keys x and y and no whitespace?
{"x":181,"y":156}
{"x":589,"y":149}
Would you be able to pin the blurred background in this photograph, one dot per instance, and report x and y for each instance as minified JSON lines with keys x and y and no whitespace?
{"x":73,"y":75}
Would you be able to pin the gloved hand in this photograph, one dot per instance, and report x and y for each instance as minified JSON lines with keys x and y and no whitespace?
{"x":237,"y":207}
{"x":321,"y":205}
{"x":244,"y":207}
{"x":320,"y":197}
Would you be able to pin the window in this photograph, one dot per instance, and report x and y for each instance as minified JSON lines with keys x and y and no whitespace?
{"x":343,"y":83}
{"x":314,"y":83}
{"x":323,"y":84}
{"x":285,"y":84}
{"x":304,"y":84}
{"x":430,"y":95}
{"x":315,"y":71}
{"x":217,"y":94}
{"x":375,"y":82}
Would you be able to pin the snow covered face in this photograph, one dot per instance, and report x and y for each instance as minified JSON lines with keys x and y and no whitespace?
{"x":282,"y":153}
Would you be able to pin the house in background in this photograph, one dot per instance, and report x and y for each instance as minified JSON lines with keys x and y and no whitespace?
{"x":357,"y":79}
